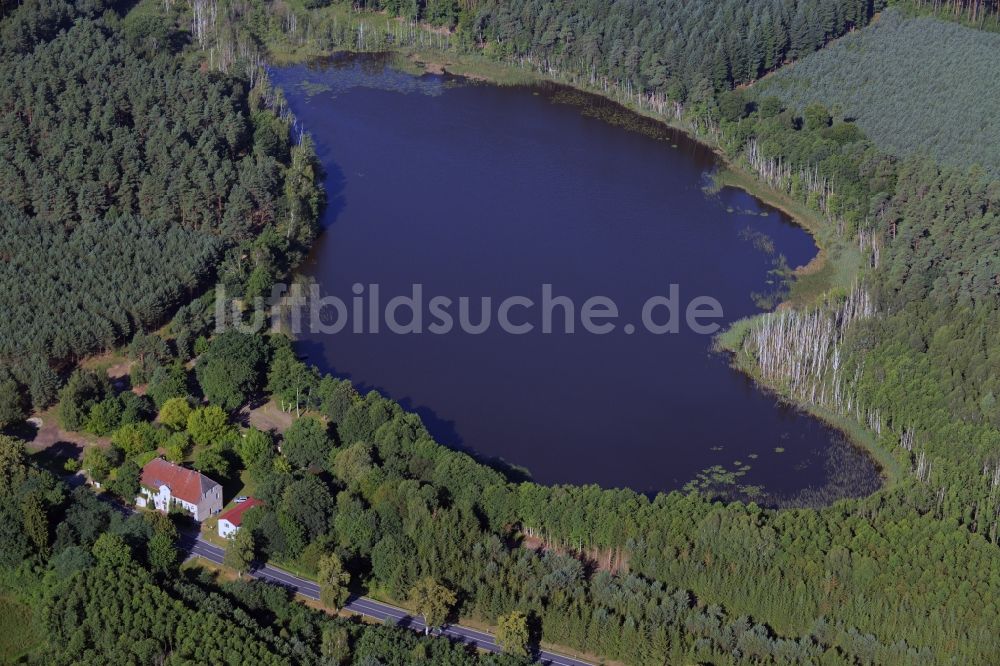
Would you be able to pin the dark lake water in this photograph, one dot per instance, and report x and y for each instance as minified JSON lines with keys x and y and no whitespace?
{"x":475,"y":190}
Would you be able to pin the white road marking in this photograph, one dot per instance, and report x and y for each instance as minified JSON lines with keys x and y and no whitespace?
{"x":370,"y":607}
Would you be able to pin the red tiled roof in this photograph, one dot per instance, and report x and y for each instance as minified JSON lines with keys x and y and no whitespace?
{"x":184,"y":483}
{"x":235,"y":515}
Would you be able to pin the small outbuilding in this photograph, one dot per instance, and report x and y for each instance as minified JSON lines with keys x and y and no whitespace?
{"x":231,"y":520}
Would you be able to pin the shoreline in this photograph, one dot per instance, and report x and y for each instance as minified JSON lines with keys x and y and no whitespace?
{"x":854,"y":432}
{"x":803,"y":291}
{"x":823,"y":271}
{"x":817,"y":278}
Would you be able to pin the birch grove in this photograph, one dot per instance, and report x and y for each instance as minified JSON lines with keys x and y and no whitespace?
{"x":800,"y":352}
{"x":623,"y":91}
{"x":870,"y":246}
{"x":779,"y":174}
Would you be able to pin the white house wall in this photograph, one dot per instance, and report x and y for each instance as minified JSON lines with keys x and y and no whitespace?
{"x":227,"y":529}
{"x":209,"y":505}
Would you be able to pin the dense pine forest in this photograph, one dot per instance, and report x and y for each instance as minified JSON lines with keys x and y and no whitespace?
{"x":686,"y":51}
{"x":672,"y":48}
{"x":135,"y":175}
{"x":904,"y":348}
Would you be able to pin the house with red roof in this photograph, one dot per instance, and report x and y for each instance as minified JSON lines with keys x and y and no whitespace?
{"x":165,"y":486}
{"x":231,"y":520}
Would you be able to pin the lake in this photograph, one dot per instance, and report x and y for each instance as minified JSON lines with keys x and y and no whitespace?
{"x":473,"y":190}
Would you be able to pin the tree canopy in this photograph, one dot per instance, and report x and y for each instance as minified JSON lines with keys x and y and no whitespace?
{"x":941,"y":108}
{"x":126,"y":175}
{"x":232,"y":369}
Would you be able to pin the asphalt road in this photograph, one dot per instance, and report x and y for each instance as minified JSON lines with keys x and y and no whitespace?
{"x":375,"y":609}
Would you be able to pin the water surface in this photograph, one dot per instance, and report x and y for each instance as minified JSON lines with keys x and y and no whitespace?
{"x":476,"y":190}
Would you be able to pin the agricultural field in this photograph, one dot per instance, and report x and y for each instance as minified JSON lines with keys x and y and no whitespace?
{"x":914,"y":85}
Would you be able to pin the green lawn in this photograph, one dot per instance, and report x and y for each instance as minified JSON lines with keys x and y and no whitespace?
{"x":20,"y":634}
{"x":143,"y":458}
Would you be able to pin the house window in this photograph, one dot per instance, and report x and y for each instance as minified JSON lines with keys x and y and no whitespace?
{"x":176,"y":506}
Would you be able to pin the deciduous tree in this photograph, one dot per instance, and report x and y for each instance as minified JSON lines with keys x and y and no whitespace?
{"x":111,"y":550}
{"x":512,"y":633}
{"x":334,"y":581}
{"x":231,"y":369}
{"x":175,"y":412}
{"x":433,"y":601}
{"x":306,"y":442}
{"x":240,"y":552}
{"x":209,"y":426}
